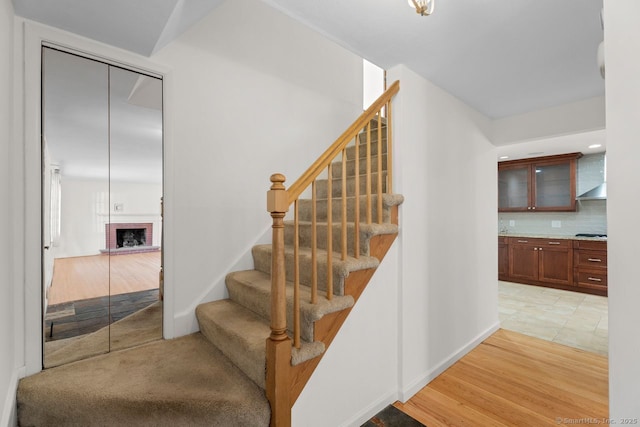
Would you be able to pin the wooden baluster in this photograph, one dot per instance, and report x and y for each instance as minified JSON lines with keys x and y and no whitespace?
{"x":379,"y":166}
{"x":368,"y":175}
{"x":329,"y":235}
{"x":389,"y":151}
{"x":344,"y":204}
{"x":296,"y":276}
{"x":356,"y":199}
{"x":314,"y":245}
{"x":278,"y":350}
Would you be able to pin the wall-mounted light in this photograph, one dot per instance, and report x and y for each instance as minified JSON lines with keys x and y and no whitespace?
{"x":423,"y":7}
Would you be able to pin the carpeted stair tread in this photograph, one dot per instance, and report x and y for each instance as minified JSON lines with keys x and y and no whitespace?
{"x":239,"y":333}
{"x":367,"y":231}
{"x":322,"y":185}
{"x":185,"y":381}
{"x":341,"y":268}
{"x":362,"y":147}
{"x":336,"y":167}
{"x":252,"y":289}
{"x":388,"y":200}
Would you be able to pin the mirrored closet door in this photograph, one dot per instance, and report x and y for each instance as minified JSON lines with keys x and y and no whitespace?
{"x":101,"y":197}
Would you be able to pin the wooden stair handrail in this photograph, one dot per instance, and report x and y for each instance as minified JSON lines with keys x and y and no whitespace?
{"x":296,"y":189}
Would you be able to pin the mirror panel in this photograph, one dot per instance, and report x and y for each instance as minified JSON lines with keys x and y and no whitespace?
{"x":102,"y":166}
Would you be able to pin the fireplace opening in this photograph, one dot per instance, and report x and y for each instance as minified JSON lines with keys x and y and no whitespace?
{"x":130,"y":237}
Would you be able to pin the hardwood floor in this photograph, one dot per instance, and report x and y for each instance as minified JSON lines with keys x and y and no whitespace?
{"x":516,"y":380}
{"x":87,"y":277}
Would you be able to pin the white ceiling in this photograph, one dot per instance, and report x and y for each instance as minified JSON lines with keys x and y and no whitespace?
{"x":502,"y":57}
{"x":140,"y":26}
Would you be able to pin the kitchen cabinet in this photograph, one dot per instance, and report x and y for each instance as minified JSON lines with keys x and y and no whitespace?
{"x":503,"y":259}
{"x":541,"y":260}
{"x":570,"y":264}
{"x":540,"y":184}
{"x":590,"y":265}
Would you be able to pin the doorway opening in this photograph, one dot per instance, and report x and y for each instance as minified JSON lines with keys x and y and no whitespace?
{"x":102,"y":187}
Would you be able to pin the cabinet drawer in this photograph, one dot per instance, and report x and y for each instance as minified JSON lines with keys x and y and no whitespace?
{"x":551,"y":243}
{"x":594,"y":245}
{"x":590,"y":259}
{"x":593,"y":280}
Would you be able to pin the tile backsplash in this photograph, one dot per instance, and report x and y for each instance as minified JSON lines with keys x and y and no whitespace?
{"x":591,"y":216}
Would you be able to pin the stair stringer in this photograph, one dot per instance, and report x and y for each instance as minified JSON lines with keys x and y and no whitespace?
{"x":326,"y":329}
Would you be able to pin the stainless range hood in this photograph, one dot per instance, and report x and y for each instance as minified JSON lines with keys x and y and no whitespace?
{"x":596,"y":193}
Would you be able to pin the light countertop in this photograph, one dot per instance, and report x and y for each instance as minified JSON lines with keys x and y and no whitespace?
{"x":551,"y":236}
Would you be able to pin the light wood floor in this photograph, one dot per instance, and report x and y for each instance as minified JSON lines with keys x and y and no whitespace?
{"x":100,"y":275}
{"x":515,"y":380}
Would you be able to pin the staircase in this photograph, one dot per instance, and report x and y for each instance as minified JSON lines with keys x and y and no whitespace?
{"x":266,"y":339}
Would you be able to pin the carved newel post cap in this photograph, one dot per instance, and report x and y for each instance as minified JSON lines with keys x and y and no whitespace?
{"x":277,"y":179}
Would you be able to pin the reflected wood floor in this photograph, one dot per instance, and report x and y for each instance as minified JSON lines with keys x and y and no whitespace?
{"x":96,"y":276}
{"x":512,"y":379}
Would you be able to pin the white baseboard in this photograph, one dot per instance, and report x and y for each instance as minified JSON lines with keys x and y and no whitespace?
{"x":10,"y":408}
{"x":365,"y":414}
{"x":407,"y":392}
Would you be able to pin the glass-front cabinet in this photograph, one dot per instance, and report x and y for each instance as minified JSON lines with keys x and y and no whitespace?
{"x":541,"y":184}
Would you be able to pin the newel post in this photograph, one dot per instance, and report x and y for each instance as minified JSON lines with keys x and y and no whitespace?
{"x":278,"y":343}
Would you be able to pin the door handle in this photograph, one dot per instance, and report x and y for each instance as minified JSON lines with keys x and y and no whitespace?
{"x":554,"y":243}
{"x":594,"y":279}
{"x":594,"y":260}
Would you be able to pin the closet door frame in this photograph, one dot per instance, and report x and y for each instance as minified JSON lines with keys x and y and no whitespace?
{"x":28,"y":257}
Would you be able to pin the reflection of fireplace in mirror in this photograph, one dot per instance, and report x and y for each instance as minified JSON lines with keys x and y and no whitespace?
{"x":129,"y":238}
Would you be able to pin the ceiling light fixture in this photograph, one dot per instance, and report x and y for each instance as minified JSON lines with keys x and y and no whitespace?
{"x":595,"y":146}
{"x":504,"y":157}
{"x":423,"y":7}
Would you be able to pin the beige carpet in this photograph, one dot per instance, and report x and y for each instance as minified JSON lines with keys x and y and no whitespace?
{"x":181,"y":382}
{"x":138,"y":328}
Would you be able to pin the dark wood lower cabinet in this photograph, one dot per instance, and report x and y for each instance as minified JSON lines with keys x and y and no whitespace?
{"x":559,"y":263}
{"x":503,"y":258}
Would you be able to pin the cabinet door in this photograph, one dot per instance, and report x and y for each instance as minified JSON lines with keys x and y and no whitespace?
{"x":523,"y":262}
{"x":514,"y":187}
{"x":554,"y":187}
{"x":556,"y":265}
{"x":503,"y":261}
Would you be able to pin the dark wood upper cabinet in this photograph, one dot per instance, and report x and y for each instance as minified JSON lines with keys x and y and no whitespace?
{"x":540,"y":184}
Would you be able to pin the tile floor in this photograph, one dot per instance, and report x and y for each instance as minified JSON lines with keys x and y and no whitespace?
{"x":570,"y":318}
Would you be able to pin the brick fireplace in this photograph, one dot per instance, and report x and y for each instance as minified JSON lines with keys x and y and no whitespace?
{"x":128,"y":238}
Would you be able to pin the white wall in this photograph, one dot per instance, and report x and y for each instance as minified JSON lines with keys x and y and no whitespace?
{"x":254,"y":93}
{"x":358,"y":375}
{"x":8,"y":374}
{"x":576,"y":117}
{"x":441,"y":273}
{"x":445,"y":168}
{"x":88,"y":205}
{"x":622,"y":44}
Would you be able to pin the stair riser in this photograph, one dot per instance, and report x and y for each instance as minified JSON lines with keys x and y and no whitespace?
{"x":374,"y":132}
{"x":336,"y":209}
{"x":362,"y":166}
{"x":336,"y":189}
{"x":305,"y":229}
{"x":362,"y":149}
{"x":250,"y":360}
{"x":262,"y":262}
